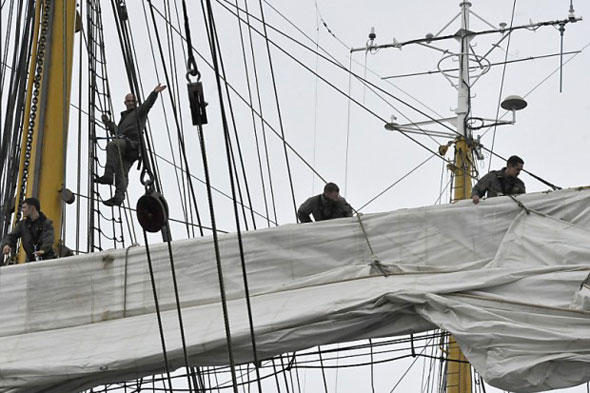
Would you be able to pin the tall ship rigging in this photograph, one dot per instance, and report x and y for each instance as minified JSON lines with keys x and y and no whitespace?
{"x":202,"y":281}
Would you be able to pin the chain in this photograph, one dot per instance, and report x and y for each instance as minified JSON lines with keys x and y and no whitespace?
{"x":34,"y":102}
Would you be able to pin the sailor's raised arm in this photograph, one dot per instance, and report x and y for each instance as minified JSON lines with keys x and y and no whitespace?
{"x":151,"y":99}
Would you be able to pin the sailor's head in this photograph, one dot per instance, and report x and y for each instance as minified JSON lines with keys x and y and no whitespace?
{"x":331,"y":191}
{"x":514,"y":166}
{"x":130,"y":101}
{"x":31,"y":207}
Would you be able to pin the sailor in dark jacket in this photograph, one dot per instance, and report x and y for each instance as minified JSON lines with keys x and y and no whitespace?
{"x":502,"y":182}
{"x":36,"y":232}
{"x":123,"y":150}
{"x":325,"y":206}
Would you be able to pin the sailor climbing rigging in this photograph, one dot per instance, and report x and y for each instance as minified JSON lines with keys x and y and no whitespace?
{"x":502,"y":182}
{"x":325,"y":206}
{"x":36,"y":232}
{"x":123,"y":150}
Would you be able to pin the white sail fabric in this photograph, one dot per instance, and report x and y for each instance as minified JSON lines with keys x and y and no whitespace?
{"x":505,"y":280}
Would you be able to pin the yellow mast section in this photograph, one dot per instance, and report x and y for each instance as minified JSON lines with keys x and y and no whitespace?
{"x":47,"y":110}
{"x":458,"y":369}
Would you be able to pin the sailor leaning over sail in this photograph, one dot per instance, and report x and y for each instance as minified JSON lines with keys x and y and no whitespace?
{"x":123,"y":150}
{"x":502,"y":182}
{"x":35,"y":230}
{"x":325,"y":206}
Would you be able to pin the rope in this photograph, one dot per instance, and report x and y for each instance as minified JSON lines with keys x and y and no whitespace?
{"x":502,"y":82}
{"x":179,"y":313}
{"x":157,"y":305}
{"x":288,"y":54}
{"x":259,"y":114}
{"x":375,"y":259}
{"x":280,"y":117}
{"x":254,"y":126}
{"x":125,"y":279}
{"x":235,"y":206}
{"x":174,"y":109}
{"x":520,"y":204}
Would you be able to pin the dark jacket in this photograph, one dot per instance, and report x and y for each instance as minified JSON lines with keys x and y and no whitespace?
{"x":133,"y":120}
{"x":36,"y":235}
{"x":323,"y":208}
{"x":497,"y":183}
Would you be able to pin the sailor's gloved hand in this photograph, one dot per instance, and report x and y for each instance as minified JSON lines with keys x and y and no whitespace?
{"x":105,"y":118}
{"x":475,"y":199}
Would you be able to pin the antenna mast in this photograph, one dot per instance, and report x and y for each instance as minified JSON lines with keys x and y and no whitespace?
{"x":458,"y":371}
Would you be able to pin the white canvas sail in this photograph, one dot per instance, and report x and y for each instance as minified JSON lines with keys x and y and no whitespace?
{"x":504,"y":280}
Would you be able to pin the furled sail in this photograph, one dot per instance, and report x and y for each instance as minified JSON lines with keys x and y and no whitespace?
{"x":505,"y":279}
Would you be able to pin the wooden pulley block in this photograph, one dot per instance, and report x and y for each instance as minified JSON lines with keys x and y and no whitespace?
{"x":152,"y":211}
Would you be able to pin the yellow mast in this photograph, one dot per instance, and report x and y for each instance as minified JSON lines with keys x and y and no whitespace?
{"x":43,"y":149}
{"x":458,"y":370}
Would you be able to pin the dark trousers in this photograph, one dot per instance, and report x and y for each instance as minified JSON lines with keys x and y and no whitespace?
{"x":118,"y":164}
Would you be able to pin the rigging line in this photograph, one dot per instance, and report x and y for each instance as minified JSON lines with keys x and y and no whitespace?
{"x":361,"y":364}
{"x":238,"y":145}
{"x":79,"y":155}
{"x":15,"y":116}
{"x":192,"y":384}
{"x":130,"y":209}
{"x":348,"y":111}
{"x":322,"y":369}
{"x":211,"y":35}
{"x":372,"y":368}
{"x":348,"y":48}
{"x":157,"y":306}
{"x":502,"y":84}
{"x":259,"y":100}
{"x":276,"y":375}
{"x":410,"y":367}
{"x":109,"y":106}
{"x":243,"y":46}
{"x":96,"y":42}
{"x":280,"y":117}
{"x":438,"y":199}
{"x":136,"y":85}
{"x":396,"y":182}
{"x":285,"y":374}
{"x":340,"y":66}
{"x":217,"y":256}
{"x":172,"y":44}
{"x":239,"y":148}
{"x":530,"y":58}
{"x":194,"y":177}
{"x":234,"y":90}
{"x":7,"y":44}
{"x":315,"y":101}
{"x":7,"y":29}
{"x":174,"y":111}
{"x":229,"y":156}
{"x":543,"y":81}
{"x":184,"y":186}
{"x":354,"y":100}
{"x":149,"y":147}
{"x":182,"y":202}
{"x":358,"y":77}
